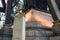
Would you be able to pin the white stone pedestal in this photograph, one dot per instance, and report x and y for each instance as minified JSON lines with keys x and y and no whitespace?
{"x":19,"y":28}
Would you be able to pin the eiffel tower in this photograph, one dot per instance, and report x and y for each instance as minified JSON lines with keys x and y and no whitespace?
{"x":39,"y":5}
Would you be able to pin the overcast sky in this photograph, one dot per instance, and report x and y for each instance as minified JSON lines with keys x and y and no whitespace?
{"x":1,"y":3}
{"x":6,"y":2}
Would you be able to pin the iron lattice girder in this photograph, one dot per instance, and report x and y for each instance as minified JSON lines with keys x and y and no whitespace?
{"x":9,"y":10}
{"x":54,"y":9}
{"x":56,"y":16}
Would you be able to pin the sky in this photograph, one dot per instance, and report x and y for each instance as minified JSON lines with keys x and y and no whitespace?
{"x":6,"y":2}
{"x":1,"y":3}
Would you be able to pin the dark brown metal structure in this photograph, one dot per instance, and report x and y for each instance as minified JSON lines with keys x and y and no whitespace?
{"x":55,"y":14}
{"x":54,"y":9}
{"x":8,"y":11}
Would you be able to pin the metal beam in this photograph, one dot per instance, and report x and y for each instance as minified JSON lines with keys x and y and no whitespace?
{"x":56,"y":15}
{"x":8,"y":11}
{"x":54,"y":9}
